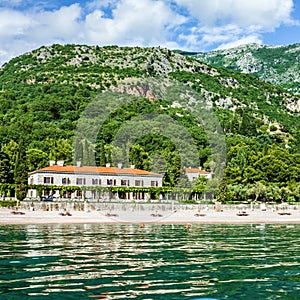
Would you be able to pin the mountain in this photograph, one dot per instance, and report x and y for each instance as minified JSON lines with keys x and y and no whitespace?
{"x":52,"y":85}
{"x":275,"y":64}
{"x":44,"y":92}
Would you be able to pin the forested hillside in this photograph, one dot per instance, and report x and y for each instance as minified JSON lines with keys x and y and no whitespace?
{"x":275,"y":64}
{"x":44,"y":92}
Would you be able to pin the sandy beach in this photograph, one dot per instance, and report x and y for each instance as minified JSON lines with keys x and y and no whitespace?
{"x":188,"y":215}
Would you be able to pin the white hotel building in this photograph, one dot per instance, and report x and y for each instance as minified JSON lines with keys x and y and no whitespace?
{"x":90,"y":176}
{"x":91,"y":180}
{"x":194,"y":173}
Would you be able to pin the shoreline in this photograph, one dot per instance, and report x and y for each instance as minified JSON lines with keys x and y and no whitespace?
{"x":192,"y":216}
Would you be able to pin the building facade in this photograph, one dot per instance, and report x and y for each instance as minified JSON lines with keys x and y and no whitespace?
{"x":95,"y":183}
{"x":89,"y":178}
{"x":194,"y":173}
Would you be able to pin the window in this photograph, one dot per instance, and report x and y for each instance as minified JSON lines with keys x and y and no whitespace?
{"x":48,"y":180}
{"x":46,"y":193}
{"x":96,"y":181}
{"x":65,"y":181}
{"x":80,"y":181}
{"x":139,"y":183}
{"x":124,"y":182}
{"x":154,"y":183}
{"x":111,"y":182}
{"x":67,"y":194}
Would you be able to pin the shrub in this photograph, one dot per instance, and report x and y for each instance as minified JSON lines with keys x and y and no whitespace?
{"x":8,"y":203}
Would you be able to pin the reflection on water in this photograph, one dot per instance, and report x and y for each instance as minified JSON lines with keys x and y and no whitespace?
{"x":153,"y":262}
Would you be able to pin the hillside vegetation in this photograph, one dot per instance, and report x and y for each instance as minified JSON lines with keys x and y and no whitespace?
{"x":44,"y":92}
{"x":279,"y":65}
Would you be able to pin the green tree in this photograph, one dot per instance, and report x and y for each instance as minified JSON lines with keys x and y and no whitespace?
{"x":183,"y":182}
{"x":21,"y":173}
{"x":61,"y":149}
{"x":139,"y":157}
{"x":224,"y":194}
{"x":258,"y":190}
{"x":36,"y":159}
{"x":273,"y":192}
{"x":101,"y":154}
{"x":88,"y":156}
{"x":5,"y":175}
{"x":200,"y":184}
{"x":158,"y":163}
{"x":11,"y":150}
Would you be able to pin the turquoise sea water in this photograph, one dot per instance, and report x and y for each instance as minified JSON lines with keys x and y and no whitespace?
{"x":154,"y":262}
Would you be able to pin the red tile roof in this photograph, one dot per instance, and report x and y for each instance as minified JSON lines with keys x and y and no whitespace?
{"x":195,"y":170}
{"x":97,"y":170}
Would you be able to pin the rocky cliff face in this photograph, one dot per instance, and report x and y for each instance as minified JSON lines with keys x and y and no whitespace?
{"x":278,"y":65}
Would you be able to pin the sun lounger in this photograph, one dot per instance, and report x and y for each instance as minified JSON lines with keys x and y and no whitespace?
{"x":156,"y":215}
{"x":242,"y":214}
{"x":14,"y":212}
{"x":65,"y":214}
{"x":111,"y":215}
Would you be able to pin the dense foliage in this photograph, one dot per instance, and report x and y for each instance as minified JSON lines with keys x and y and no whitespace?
{"x":43,"y":94}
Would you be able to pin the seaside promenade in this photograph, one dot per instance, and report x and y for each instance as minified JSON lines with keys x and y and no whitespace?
{"x":128,"y":213}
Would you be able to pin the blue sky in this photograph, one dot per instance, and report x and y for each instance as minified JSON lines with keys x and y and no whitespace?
{"x":195,"y":25}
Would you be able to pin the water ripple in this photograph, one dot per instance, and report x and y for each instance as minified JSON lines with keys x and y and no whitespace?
{"x":154,"y":262}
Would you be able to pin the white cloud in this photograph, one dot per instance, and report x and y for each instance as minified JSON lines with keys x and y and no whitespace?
{"x":62,"y":24}
{"x":263,"y":14}
{"x":13,"y":23}
{"x":24,"y":31}
{"x":232,"y":22}
{"x":143,"y":22}
{"x":191,"y":25}
{"x":131,"y":22}
{"x":219,"y":34}
{"x":251,"y":39}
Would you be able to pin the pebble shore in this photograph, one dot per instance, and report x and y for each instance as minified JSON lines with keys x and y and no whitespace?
{"x":183,"y":216}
